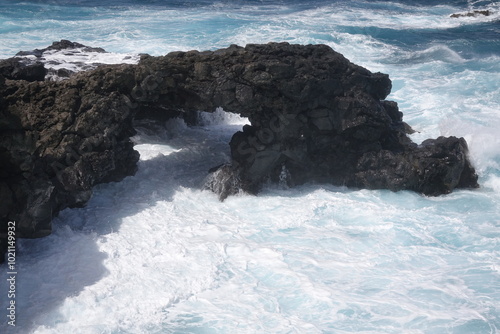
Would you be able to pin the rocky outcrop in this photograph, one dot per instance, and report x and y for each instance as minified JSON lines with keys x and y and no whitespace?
{"x":58,"y":46}
{"x":314,"y":116}
{"x":59,"y":61}
{"x":473,"y":13}
{"x":57,"y":140}
{"x":29,"y":65}
{"x":18,"y":69}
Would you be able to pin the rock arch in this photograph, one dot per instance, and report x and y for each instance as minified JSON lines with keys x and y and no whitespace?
{"x":312,"y":112}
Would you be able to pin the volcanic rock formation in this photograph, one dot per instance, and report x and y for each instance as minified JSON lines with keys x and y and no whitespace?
{"x":473,"y":13}
{"x":314,"y":116}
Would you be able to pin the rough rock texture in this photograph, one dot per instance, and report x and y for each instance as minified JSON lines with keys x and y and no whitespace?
{"x":18,"y":69}
{"x":474,"y":13}
{"x":57,"y":140}
{"x":314,"y":116}
{"x":56,"y":62}
{"x":22,"y":67}
{"x":58,"y":46}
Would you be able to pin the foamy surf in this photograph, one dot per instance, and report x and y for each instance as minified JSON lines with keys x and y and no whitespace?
{"x":155,"y":253}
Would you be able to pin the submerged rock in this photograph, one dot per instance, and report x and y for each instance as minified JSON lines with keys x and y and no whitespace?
{"x":63,"y":44}
{"x":58,"y":61}
{"x":313,"y":114}
{"x":474,"y":13}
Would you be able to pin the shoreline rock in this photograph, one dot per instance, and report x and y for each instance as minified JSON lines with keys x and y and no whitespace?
{"x":315,"y":116}
{"x":18,"y":69}
{"x":58,"y":61}
{"x":63,"y":44}
{"x":474,"y":13}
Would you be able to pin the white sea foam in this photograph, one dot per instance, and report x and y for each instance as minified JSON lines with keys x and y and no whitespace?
{"x":78,"y":59}
{"x":220,"y":117}
{"x":156,"y":254}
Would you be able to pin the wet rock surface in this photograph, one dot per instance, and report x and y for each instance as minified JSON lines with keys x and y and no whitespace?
{"x":474,"y":13}
{"x":58,"y":61}
{"x":315,"y":117}
{"x":18,"y":69}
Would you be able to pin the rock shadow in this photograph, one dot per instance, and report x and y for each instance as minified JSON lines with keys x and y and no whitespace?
{"x":52,"y":269}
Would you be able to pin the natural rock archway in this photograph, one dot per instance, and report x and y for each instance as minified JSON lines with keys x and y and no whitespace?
{"x":314,"y":116}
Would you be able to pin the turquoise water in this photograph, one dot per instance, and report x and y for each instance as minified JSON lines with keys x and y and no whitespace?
{"x":155,"y":254}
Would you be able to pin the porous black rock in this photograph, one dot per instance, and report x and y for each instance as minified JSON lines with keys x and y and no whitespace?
{"x":22,"y":67}
{"x":321,"y":118}
{"x":30,"y":65}
{"x":63,"y":44}
{"x":58,"y":140}
{"x":473,"y":13}
{"x":314,"y":116}
{"x":19,"y":69}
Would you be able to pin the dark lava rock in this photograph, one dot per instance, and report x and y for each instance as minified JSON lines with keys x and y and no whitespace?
{"x":58,"y":140}
{"x":318,"y":117}
{"x":19,"y":69}
{"x":474,"y":13}
{"x":314,"y":116}
{"x":63,"y":44}
{"x":26,"y":67}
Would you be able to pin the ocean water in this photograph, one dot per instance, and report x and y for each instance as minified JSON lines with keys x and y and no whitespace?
{"x":155,"y":253}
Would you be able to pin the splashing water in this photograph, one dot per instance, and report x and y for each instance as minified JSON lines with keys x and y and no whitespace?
{"x":156,"y":253}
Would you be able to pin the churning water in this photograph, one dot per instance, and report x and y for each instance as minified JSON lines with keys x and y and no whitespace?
{"x":157,"y":254}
